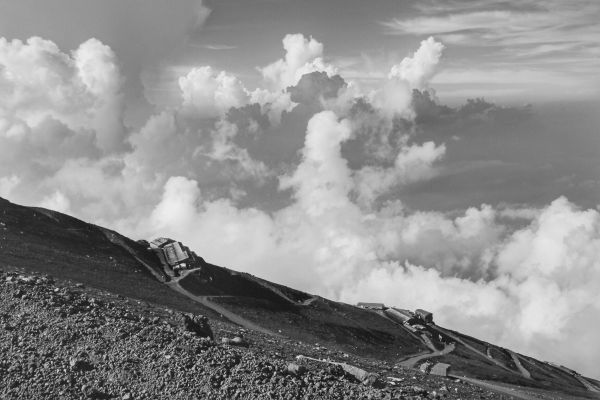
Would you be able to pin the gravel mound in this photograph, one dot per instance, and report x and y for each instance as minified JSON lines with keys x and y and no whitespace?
{"x":59,"y":342}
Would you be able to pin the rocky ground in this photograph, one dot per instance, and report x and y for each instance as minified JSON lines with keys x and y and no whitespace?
{"x":65,"y":341}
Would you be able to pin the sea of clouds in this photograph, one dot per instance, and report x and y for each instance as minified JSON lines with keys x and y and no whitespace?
{"x":300,"y":181}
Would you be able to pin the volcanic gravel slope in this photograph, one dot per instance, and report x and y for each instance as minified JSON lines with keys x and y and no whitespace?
{"x":61,"y":341}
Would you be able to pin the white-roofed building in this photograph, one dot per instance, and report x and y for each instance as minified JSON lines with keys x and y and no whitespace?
{"x":172,"y":254}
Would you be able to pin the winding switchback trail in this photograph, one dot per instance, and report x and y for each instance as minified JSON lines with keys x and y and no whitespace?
{"x":587,"y":384}
{"x":119,"y":242}
{"x":497,"y":388}
{"x":409,"y":363}
{"x":520,"y":366}
{"x":231,"y":316}
{"x":474,"y":350}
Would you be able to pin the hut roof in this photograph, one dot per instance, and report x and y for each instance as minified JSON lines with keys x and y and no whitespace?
{"x":160,"y":242}
{"x":379,"y":306}
{"x":440,"y":369}
{"x":174,"y":253}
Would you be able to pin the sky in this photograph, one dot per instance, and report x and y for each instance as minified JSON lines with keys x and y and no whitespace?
{"x":425,"y":154}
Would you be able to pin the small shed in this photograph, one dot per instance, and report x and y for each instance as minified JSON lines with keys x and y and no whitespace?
{"x":424,"y":315}
{"x":159,"y":243}
{"x":372,"y":306}
{"x":173,"y":255}
{"x":440,"y":369}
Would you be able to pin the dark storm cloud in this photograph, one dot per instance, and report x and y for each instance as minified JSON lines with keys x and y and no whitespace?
{"x":429,"y":111}
{"x":315,"y":86}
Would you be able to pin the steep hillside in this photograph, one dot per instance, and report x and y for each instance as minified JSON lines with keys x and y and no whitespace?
{"x":284,"y":321}
{"x":46,"y":241}
{"x":61,"y":341}
{"x":301,"y":316}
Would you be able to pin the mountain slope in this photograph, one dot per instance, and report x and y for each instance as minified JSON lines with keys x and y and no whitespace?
{"x":50,"y":242}
{"x":39,"y":240}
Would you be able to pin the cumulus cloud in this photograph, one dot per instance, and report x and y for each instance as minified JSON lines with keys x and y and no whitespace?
{"x":302,"y":55}
{"x":7,"y":184}
{"x":81,"y":90}
{"x":316,"y":86}
{"x":273,"y":103}
{"x":209,"y":93}
{"x":56,"y":201}
{"x":98,"y":71}
{"x":224,"y":149}
{"x":413,"y":163}
{"x":322,"y":181}
{"x":555,"y":261}
{"x":421,"y":67}
{"x":413,"y":72}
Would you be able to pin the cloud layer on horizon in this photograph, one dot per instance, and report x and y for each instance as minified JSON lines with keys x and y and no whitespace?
{"x":337,"y":158}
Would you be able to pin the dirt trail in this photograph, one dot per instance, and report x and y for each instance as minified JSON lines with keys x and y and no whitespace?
{"x":278,"y":292}
{"x":310,"y":301}
{"x":520,"y":366}
{"x":185,"y":273}
{"x":498,"y":388}
{"x":473,"y":349}
{"x":428,"y":343}
{"x":401,"y":326}
{"x":587,"y":384}
{"x":119,"y":242}
{"x":272,"y":288}
{"x":205,"y":301}
{"x":409,"y":363}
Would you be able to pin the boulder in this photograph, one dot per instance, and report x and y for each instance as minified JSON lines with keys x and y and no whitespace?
{"x":197,"y":324}
{"x":296,"y":369}
{"x":364,"y":377}
{"x":236,"y":341}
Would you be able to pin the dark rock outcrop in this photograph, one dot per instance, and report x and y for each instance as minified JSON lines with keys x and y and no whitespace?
{"x":197,"y":324}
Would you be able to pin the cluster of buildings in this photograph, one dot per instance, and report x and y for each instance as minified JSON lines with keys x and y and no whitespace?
{"x":414,"y":321}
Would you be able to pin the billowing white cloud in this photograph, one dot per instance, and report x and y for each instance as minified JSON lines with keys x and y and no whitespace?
{"x":420,"y":68}
{"x":322,"y":180}
{"x":223,"y":149}
{"x":415,"y":72}
{"x":56,"y":201}
{"x":302,"y":55}
{"x":158,"y":145}
{"x":413,"y":163}
{"x":7,"y":184}
{"x":272,"y":103}
{"x":124,"y":193}
{"x":209,"y":93}
{"x":178,"y":203}
{"x":81,"y":91}
{"x":393,"y":99}
{"x":98,"y":71}
{"x":554,"y":261}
